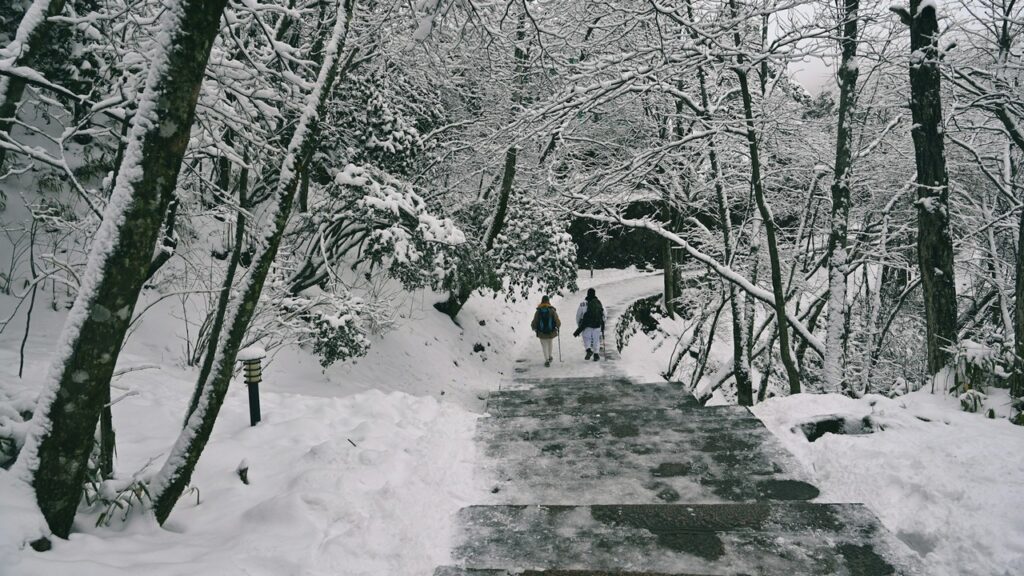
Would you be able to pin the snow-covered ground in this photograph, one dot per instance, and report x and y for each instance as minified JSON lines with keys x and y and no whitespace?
{"x":358,"y":469}
{"x":355,"y":470}
{"x":948,"y":483}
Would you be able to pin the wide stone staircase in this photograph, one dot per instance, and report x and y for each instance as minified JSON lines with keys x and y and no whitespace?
{"x":602,"y":476}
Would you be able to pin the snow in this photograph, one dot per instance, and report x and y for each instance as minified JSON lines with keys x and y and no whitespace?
{"x":251,"y":353}
{"x":356,"y":470}
{"x":946,"y":482}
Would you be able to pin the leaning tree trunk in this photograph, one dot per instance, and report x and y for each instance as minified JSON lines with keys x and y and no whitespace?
{"x":174,"y":476}
{"x":668,"y":278}
{"x":29,"y":40}
{"x":779,"y":294}
{"x":934,"y":244}
{"x":458,"y":297}
{"x":838,"y":257}
{"x":57,"y":451}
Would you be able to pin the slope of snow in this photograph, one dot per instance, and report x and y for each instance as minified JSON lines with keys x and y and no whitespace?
{"x":354,"y":470}
{"x":947,"y":483}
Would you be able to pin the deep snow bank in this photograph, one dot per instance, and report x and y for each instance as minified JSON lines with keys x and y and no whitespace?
{"x":947,"y":483}
{"x":356,"y":469}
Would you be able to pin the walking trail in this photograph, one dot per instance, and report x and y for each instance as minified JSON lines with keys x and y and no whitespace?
{"x":594,"y":474}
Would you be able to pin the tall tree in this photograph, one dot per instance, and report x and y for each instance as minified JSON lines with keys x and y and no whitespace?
{"x":934,"y":243}
{"x":56,"y":453}
{"x":837,"y":241}
{"x":742,"y":68}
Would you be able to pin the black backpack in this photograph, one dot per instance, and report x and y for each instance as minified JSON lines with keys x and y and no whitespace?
{"x":594,"y":316}
{"x":546,"y":320}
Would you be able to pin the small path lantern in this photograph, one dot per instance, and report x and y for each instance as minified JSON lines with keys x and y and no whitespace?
{"x":252,"y":370}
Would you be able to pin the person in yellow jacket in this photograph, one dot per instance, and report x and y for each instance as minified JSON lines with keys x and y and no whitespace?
{"x":546,"y":324}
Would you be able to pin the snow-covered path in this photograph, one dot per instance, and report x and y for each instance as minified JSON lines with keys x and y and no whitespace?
{"x":616,"y":292}
{"x":590,"y":471}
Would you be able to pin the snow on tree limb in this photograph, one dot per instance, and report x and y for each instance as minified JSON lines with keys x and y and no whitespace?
{"x":724,"y":271}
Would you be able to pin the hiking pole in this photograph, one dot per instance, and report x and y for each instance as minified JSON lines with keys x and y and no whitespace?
{"x":559,"y":333}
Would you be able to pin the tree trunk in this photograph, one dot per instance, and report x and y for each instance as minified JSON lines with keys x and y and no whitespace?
{"x":668,"y":278}
{"x":1017,"y":382}
{"x":934,"y":244}
{"x":57,"y":450}
{"x":507,"y":179}
{"x":792,"y":374}
{"x":741,"y":367}
{"x":29,"y":40}
{"x":174,"y":476}
{"x":838,"y":258}
{"x":458,"y":298}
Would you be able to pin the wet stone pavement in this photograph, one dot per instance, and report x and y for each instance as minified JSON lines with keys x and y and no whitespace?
{"x":602,"y":476}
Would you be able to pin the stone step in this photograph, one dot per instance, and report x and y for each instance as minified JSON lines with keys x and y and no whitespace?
{"x":526,"y":383}
{"x":637,"y":457}
{"x":618,"y":423}
{"x":625,"y":478}
{"x":597,"y":397}
{"x":774,"y":538}
{"x":457,"y":571}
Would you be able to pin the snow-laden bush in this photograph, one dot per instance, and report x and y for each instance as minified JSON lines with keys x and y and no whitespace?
{"x":371,"y":221}
{"x":534,"y":250}
{"x":972,"y":400}
{"x":333,"y":321}
{"x":979,"y":366}
{"x":16,"y":405}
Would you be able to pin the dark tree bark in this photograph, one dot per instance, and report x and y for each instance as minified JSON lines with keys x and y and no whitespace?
{"x":793,"y":375}
{"x":80,"y":378}
{"x":838,"y":257}
{"x":34,"y":35}
{"x":176,"y":472}
{"x":508,"y":177}
{"x":934,"y":244}
{"x":668,"y":278}
{"x":168,"y":243}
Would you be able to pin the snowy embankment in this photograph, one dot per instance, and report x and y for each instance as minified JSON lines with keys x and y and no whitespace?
{"x":357,"y":469}
{"x":948,"y":483}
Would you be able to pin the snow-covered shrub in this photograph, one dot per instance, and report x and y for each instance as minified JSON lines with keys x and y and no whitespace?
{"x":112,"y":497}
{"x":16,"y":405}
{"x":640,"y":315}
{"x":377,"y":222}
{"x":332,"y":321}
{"x":338,"y":338}
{"x":979,"y":366}
{"x":972,"y":400}
{"x":534,"y":250}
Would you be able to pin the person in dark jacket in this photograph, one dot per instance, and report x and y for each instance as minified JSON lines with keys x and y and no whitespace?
{"x":590,"y":318}
{"x":546,"y":324}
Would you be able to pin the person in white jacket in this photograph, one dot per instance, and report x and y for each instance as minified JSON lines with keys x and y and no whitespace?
{"x":590,"y":318}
